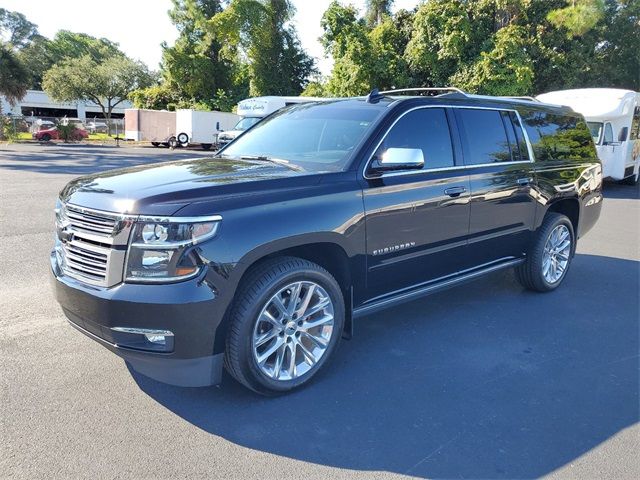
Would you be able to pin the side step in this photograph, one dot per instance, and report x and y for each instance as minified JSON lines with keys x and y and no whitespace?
{"x":433,"y":287}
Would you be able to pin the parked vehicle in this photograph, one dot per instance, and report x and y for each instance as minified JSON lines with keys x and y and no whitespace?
{"x":97,"y":127}
{"x":613,"y":116}
{"x":252,"y":110}
{"x":155,"y":126}
{"x":260,"y":258}
{"x":53,"y":134}
{"x":198,"y":127}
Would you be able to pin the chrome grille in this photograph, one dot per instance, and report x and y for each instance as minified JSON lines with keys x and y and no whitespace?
{"x":91,"y":245}
{"x":82,"y":221}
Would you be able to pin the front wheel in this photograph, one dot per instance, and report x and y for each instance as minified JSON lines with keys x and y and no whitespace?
{"x":550,"y":256}
{"x":285,"y":325}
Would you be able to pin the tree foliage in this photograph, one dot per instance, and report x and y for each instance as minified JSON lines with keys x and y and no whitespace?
{"x":498,"y":47}
{"x":258,"y":34}
{"x":107,"y":83}
{"x":14,"y":77}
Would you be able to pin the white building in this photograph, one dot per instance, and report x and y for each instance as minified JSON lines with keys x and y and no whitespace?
{"x":37,"y":103}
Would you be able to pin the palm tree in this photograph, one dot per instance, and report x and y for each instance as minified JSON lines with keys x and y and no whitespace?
{"x":14,"y":78}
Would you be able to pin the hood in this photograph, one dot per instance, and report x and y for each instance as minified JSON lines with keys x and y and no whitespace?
{"x":164,"y":188}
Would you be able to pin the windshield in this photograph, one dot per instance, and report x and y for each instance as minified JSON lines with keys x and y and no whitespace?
{"x":596,"y":131}
{"x":313,"y":136}
{"x":246,"y":122}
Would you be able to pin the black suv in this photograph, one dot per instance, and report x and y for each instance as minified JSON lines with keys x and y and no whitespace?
{"x":260,"y":257}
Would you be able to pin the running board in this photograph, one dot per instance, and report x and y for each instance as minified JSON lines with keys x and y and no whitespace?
{"x":433,"y":288}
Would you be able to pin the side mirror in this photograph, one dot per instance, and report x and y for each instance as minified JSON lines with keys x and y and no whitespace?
{"x":400,"y":159}
{"x":622,"y":136}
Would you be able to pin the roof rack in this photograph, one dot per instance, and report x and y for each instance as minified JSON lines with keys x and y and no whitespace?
{"x":425,"y":89}
{"x":523,"y":97}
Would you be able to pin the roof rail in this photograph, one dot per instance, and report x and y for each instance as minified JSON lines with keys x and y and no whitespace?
{"x":522,"y":97}
{"x":425,"y":89}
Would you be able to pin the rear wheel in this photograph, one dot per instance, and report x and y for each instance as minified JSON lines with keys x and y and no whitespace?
{"x":550,"y":255}
{"x":173,"y":143}
{"x":155,"y":144}
{"x":183,"y":139}
{"x":285,"y":325}
{"x":46,"y":137}
{"x":206,"y":146}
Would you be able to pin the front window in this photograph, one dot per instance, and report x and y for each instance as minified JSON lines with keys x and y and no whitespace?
{"x":596,"y":131}
{"x":313,"y":136}
{"x":246,"y":123}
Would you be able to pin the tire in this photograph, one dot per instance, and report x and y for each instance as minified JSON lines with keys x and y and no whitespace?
{"x":206,"y":146}
{"x":45,"y":138}
{"x":183,"y":139}
{"x":258,"y":327}
{"x":173,"y":143}
{"x":155,"y":144}
{"x":534,"y":273}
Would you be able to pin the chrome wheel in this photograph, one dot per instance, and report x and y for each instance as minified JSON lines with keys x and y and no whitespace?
{"x":557,"y":252}
{"x":293,"y":331}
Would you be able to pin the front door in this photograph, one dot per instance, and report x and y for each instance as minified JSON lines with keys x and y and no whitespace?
{"x":417,"y":221}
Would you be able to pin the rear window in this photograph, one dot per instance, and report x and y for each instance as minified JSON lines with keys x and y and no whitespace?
{"x":558,"y":137}
{"x":484,"y":136}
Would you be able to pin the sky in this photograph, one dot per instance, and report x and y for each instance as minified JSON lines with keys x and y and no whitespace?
{"x":140,"y":26}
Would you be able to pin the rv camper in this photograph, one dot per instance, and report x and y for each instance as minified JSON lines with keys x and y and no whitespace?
{"x":613,"y":116}
{"x":252,"y":110}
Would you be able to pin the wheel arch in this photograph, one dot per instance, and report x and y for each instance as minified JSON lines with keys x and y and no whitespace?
{"x":325,"y":252}
{"x":570,"y":207}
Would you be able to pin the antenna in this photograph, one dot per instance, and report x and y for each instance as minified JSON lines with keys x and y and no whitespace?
{"x":374,"y":96}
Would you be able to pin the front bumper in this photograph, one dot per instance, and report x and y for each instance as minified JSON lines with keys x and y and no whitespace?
{"x":187,"y":309}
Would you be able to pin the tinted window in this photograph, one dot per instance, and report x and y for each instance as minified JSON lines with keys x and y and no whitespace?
{"x":608,"y":134}
{"x":426,"y":129}
{"x":558,"y":137}
{"x":485,"y":137}
{"x":522,"y":143}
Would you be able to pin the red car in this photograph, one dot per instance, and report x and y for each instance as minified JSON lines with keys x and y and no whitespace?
{"x":53,"y":134}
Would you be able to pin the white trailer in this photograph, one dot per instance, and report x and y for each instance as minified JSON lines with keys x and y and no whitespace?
{"x":613,"y":116}
{"x":252,"y":110}
{"x":197,"y":127}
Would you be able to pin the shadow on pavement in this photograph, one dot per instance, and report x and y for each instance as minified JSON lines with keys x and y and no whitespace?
{"x":482,"y":381}
{"x":620,"y":191}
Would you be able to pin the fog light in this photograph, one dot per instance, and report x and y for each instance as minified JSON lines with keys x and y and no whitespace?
{"x":143,"y":339}
{"x":155,"y":338}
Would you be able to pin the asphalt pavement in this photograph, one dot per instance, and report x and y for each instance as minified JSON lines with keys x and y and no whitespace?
{"x":482,"y":381}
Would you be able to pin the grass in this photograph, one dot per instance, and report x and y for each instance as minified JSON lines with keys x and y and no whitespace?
{"x":92,"y":136}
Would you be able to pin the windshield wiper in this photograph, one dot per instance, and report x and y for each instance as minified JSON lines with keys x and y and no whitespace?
{"x":278,"y":161}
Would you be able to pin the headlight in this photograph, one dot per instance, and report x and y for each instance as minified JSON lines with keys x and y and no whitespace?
{"x":160,"y":249}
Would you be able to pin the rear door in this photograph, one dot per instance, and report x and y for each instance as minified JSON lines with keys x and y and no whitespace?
{"x":417,"y":220}
{"x":502,"y":181}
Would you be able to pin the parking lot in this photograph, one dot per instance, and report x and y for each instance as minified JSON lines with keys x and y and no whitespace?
{"x":482,"y":381}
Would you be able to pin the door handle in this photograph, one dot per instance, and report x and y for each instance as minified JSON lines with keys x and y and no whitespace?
{"x":524,"y":181}
{"x":455,"y":191}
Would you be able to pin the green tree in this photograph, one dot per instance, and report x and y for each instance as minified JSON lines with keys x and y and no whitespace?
{"x":504,"y":70}
{"x":107,"y":84}
{"x":15,"y":29}
{"x":258,"y":33}
{"x":193,"y":67}
{"x":14,"y":78}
